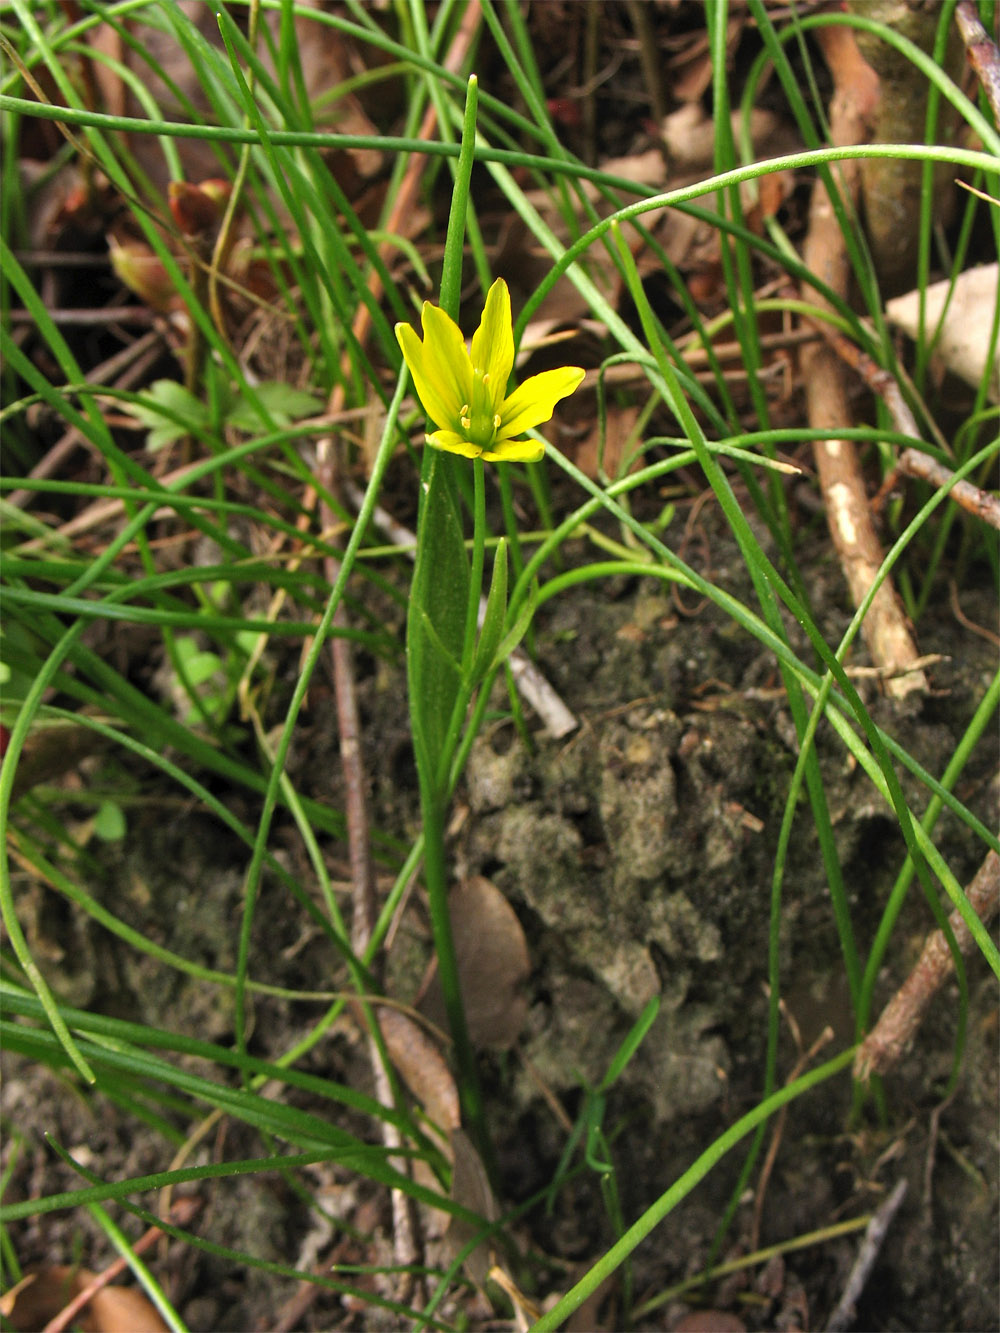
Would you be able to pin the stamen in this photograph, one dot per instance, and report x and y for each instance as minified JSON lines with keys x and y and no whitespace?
{"x":486,"y":378}
{"x":466,"y":423}
{"x":463,"y":411}
{"x":496,"y":422}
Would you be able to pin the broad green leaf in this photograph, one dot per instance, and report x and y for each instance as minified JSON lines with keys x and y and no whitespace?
{"x":109,"y":822}
{"x":436,"y":624}
{"x":170,"y":411}
{"x":282,"y":402}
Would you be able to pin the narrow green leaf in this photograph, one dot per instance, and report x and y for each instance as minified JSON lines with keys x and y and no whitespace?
{"x":520,"y":627}
{"x":493,"y":620}
{"x":631,"y":1044}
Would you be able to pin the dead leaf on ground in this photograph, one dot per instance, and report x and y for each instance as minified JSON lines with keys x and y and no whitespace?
{"x":326,"y":61}
{"x":43,"y":1295}
{"x":493,"y":965}
{"x":470,"y":1187}
{"x":691,"y":67}
{"x":709,"y":1321}
{"x":689,"y":135}
{"x":605,"y":456}
{"x":965,"y":335}
{"x":422,"y":1067}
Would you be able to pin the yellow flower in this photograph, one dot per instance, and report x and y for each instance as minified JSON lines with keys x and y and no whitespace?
{"x":465,"y":394}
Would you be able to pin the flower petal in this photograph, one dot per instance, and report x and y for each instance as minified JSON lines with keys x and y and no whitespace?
{"x":493,"y":343}
{"x":535,"y":400}
{"x":453,"y":443}
{"x":515,"y":451}
{"x":442,"y":374}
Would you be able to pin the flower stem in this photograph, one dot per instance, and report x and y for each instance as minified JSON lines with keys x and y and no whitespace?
{"x":476,"y":576}
{"x":434,"y":767}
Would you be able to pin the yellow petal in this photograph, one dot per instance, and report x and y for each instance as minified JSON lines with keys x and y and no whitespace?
{"x":515,"y":451}
{"x":442,"y":374}
{"x":454,"y":443}
{"x":535,"y":400}
{"x":493,"y":343}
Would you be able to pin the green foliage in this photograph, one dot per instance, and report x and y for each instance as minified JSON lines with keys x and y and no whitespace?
{"x":435,"y":636}
{"x":109,"y":822}
{"x":231,"y":645}
{"x":171,"y":412}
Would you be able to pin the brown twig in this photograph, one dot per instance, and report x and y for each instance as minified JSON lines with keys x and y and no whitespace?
{"x":771,"y":1156}
{"x":911,"y":462}
{"x":982,"y":52}
{"x":971,"y":625}
{"x":851,"y":526}
{"x":131,"y":363}
{"x":902,"y":1016}
{"x":79,"y":317}
{"x":875,"y":1233}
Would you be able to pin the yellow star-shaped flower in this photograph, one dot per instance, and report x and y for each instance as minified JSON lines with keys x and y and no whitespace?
{"x":465,"y":393}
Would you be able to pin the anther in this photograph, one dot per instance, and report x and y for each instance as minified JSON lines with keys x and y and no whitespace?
{"x":496,"y":422}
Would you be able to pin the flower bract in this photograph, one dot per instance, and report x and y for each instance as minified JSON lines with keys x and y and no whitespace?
{"x":464,"y":391}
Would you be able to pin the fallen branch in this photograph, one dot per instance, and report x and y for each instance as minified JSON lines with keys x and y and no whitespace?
{"x":982,"y":52}
{"x":850,"y":520}
{"x":911,"y":462}
{"x":902,"y":1016}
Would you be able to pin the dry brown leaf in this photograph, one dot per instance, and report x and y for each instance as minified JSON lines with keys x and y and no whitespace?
{"x":110,"y":1309}
{"x":326,"y":58}
{"x":608,"y":454}
{"x":689,"y":135}
{"x":493,"y":964}
{"x":470,"y":1187}
{"x":709,"y":1321}
{"x":586,"y":1319}
{"x":422,"y":1067}
{"x":965,"y":334}
{"x":691,"y":68}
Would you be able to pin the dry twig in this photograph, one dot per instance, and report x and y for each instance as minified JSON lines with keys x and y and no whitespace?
{"x":911,"y":462}
{"x":843,"y":1316}
{"x":899,"y":1020}
{"x":885,"y":630}
{"x":982,"y":52}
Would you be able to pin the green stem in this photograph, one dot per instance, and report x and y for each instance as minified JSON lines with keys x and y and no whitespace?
{"x":434,"y":768}
{"x":434,"y":807}
{"x":665,"y":1204}
{"x":476,"y":578}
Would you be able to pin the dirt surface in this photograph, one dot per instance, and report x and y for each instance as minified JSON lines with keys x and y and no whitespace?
{"x":637,"y":854}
